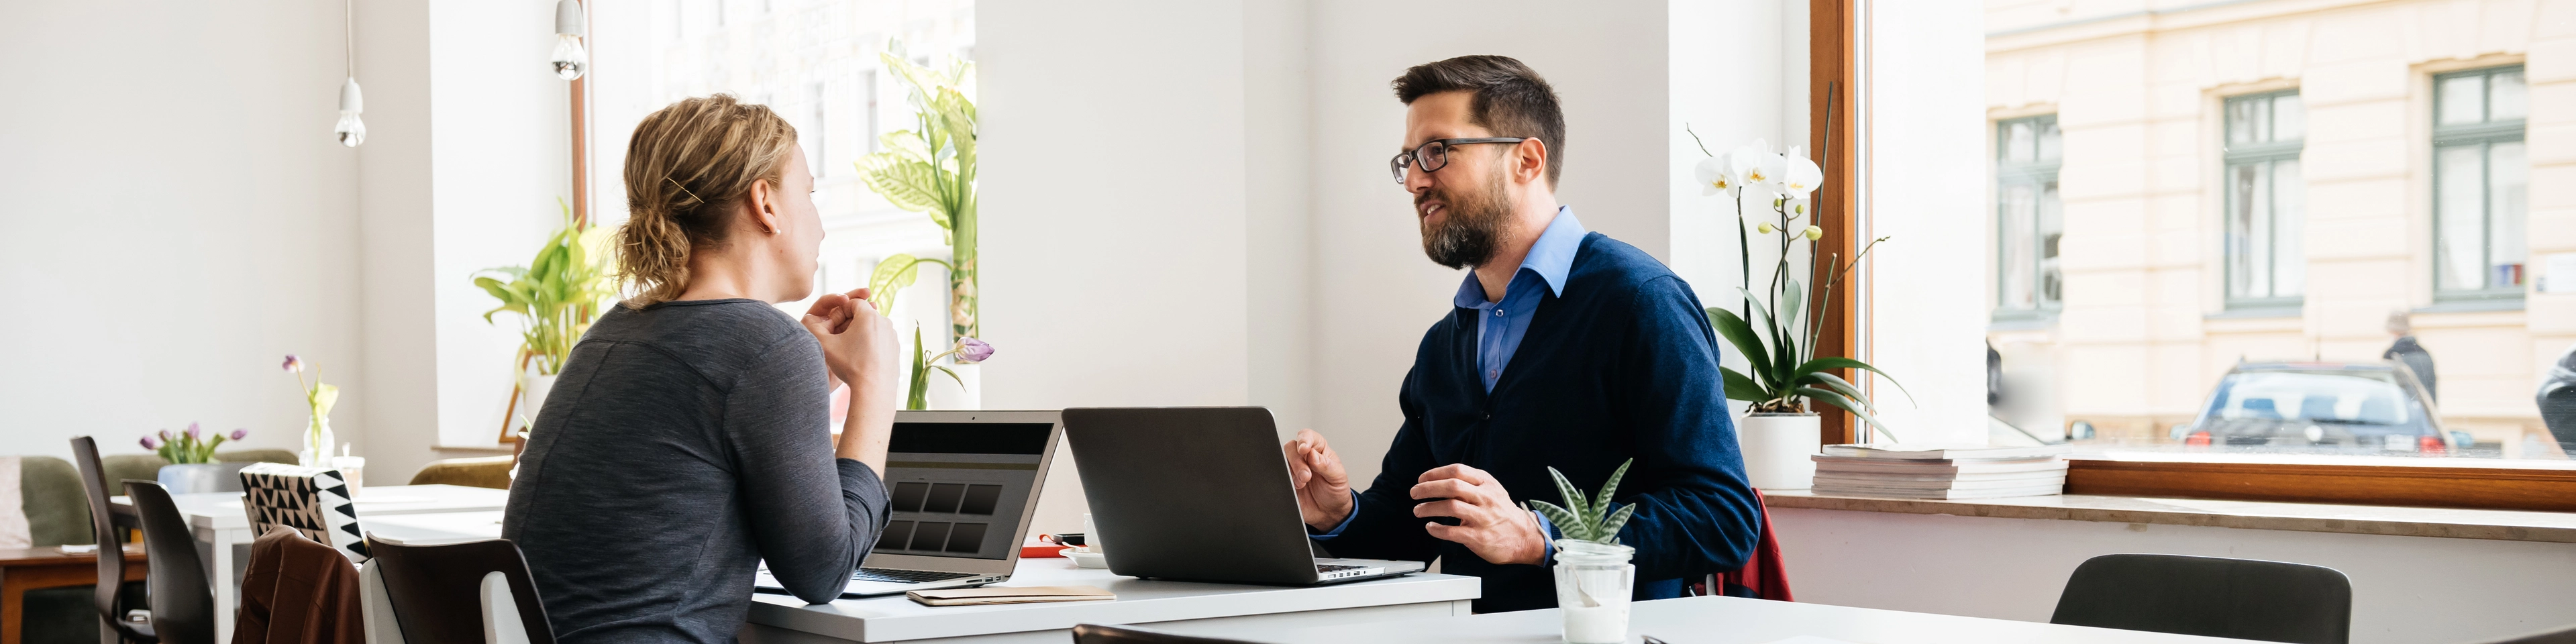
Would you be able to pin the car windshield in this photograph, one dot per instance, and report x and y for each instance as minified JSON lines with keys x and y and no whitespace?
{"x":2347,"y":397}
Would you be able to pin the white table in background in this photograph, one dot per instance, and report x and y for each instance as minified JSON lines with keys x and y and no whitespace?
{"x":224,"y":533}
{"x":1721,"y":620}
{"x":1172,"y":605}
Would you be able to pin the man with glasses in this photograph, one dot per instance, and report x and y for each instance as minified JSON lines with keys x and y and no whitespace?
{"x":1565,"y":349}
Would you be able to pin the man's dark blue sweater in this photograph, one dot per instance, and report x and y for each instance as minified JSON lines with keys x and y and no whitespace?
{"x":1622,"y":365}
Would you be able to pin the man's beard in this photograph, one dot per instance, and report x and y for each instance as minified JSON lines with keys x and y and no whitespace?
{"x":1473,"y":226}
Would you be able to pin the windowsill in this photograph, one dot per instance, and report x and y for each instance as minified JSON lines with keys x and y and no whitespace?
{"x":2022,"y":322}
{"x":2264,"y":311}
{"x":2470,"y":306}
{"x":2506,"y":525}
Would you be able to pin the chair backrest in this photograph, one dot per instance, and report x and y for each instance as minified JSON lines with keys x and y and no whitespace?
{"x":111,"y":555}
{"x":183,"y":603}
{"x":1105,"y":634}
{"x":438,"y":591}
{"x":56,"y":506}
{"x":311,"y":500}
{"x":2240,"y":598}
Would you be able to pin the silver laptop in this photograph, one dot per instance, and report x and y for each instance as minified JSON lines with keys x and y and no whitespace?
{"x":964,"y":484}
{"x":1200,"y":494}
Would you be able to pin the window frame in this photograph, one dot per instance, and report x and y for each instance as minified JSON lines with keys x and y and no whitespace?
{"x":2037,"y":173}
{"x":2267,"y":153}
{"x":2485,"y":134}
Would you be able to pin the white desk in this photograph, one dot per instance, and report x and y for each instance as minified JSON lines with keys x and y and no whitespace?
{"x":1723,"y":620}
{"x":224,"y":533}
{"x":1171,"y":605}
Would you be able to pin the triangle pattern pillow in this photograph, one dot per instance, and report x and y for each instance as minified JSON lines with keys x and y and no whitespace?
{"x":311,"y":500}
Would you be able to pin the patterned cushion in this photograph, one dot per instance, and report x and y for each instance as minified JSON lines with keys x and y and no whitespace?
{"x":311,"y":500}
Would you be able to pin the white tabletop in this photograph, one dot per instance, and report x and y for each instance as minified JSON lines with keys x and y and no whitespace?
{"x":1728,"y":620}
{"x":434,"y":527}
{"x":894,"y":618}
{"x":223,"y":510}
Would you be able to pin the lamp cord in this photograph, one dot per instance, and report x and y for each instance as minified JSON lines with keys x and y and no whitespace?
{"x":348,"y":35}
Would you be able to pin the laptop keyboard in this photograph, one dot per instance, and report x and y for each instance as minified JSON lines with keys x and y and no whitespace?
{"x":892,"y":575}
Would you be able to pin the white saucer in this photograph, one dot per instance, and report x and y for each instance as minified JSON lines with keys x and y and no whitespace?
{"x":1085,"y":559}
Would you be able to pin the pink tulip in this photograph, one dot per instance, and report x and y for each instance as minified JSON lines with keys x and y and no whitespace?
{"x":239,"y":434}
{"x":194,"y":433}
{"x":972,"y":349}
{"x":148,"y":444}
{"x":292,"y":364}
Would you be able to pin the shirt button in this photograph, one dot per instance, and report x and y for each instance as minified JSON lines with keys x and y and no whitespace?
{"x":1490,"y":373}
{"x":1498,"y":312}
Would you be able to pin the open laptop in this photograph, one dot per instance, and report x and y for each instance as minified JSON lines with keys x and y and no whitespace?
{"x":1200,"y":494}
{"x":964,"y":484}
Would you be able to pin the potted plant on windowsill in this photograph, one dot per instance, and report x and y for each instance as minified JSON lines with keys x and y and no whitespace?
{"x":930,"y":169}
{"x":1782,"y":372}
{"x":559,"y":294}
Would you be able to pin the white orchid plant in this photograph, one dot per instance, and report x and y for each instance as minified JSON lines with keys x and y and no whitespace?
{"x":1781,"y":352}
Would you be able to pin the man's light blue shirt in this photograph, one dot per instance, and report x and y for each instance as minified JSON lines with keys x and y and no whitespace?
{"x":1500,"y":325}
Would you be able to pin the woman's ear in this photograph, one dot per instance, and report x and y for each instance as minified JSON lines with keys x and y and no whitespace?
{"x":764,"y":208}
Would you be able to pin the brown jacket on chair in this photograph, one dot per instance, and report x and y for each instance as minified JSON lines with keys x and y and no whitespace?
{"x":298,"y":592}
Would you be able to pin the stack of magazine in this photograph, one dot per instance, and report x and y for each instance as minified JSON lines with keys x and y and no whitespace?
{"x":1939,"y":471}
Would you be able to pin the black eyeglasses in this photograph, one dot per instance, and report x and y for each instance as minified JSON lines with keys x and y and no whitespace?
{"x":1434,"y":155}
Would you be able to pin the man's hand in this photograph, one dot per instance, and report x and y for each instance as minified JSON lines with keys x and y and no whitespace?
{"x":1323,"y":489}
{"x":1489,"y":524}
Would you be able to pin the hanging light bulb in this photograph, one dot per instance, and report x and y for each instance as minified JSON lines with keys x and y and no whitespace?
{"x":352,"y":131}
{"x":569,"y":58}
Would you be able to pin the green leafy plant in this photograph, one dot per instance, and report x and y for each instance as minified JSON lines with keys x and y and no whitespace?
{"x":1780,"y":353}
{"x":559,"y":293}
{"x":931,"y":169}
{"x":1592,"y":520}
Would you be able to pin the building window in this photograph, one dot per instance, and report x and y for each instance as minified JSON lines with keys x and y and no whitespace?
{"x":2479,"y":174}
{"x":2028,"y":219}
{"x":2266,"y":202}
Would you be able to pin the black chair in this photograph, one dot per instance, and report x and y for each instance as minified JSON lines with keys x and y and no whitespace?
{"x":437,"y":591}
{"x":1104,"y":634}
{"x":2560,"y":636}
{"x":111,"y":564}
{"x":2240,"y":598}
{"x":183,"y":603}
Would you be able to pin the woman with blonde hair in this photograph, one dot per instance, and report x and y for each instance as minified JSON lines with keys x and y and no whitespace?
{"x":688,"y":437}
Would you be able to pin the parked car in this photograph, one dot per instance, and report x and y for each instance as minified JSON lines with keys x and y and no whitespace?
{"x":2322,"y":407}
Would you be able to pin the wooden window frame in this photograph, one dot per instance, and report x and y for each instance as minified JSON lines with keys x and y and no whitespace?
{"x":1832,"y":52}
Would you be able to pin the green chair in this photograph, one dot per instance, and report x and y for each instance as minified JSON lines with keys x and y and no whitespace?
{"x":58,"y":514}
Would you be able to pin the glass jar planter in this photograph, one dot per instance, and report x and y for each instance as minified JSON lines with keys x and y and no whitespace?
{"x":1593,"y":584}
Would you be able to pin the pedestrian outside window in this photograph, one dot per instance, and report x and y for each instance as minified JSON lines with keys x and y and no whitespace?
{"x":2266,"y":209}
{"x":2028,"y":219}
{"x":2480,"y":170}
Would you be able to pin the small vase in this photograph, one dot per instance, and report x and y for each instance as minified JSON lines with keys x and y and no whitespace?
{"x":1594,"y":582}
{"x":318,"y":442}
{"x":1779,"y":449}
{"x":200,"y":478}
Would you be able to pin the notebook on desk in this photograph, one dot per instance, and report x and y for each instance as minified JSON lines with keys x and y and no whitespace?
{"x":963,"y":485}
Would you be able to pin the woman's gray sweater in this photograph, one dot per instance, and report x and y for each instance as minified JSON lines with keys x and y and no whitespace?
{"x":683,"y":443}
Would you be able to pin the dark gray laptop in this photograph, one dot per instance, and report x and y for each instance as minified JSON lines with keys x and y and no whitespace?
{"x":1200,"y":494}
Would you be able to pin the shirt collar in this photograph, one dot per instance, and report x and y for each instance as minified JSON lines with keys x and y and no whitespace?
{"x":1551,"y":258}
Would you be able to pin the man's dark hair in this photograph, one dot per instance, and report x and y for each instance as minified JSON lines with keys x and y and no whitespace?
{"x":1510,"y":99}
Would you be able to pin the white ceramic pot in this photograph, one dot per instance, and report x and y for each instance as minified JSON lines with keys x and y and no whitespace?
{"x":1778,"y":449}
{"x":198,"y":478}
{"x":532,"y":398}
{"x":946,"y":393}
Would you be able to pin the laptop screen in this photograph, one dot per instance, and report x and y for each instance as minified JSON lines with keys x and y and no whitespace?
{"x":960,"y":488}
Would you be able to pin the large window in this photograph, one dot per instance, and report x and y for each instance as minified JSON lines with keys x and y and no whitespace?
{"x":2265,"y":201}
{"x":2028,"y":219}
{"x":2479,"y":174}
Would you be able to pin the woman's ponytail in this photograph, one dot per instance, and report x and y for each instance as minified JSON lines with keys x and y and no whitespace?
{"x":686,"y":167}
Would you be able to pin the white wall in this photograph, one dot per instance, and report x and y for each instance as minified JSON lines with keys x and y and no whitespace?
{"x":178,"y":218}
{"x":2405,"y":589}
